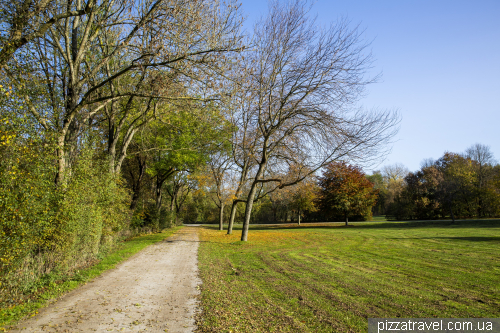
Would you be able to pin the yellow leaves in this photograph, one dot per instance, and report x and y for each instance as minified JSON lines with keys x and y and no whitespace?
{"x":7,"y":91}
{"x":255,"y":236}
{"x":6,"y":139}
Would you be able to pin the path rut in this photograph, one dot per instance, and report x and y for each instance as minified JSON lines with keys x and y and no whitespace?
{"x":153,"y":291}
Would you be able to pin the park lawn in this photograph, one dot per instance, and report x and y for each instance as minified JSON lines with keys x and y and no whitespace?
{"x":331,"y":278}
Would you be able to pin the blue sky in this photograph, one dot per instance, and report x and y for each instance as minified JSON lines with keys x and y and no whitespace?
{"x":440,"y":65}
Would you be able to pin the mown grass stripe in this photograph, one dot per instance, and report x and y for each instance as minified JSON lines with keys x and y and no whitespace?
{"x":332,"y":278}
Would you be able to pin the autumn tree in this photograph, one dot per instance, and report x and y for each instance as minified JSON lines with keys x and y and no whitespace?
{"x":93,"y":91}
{"x":483,"y":162}
{"x":301,"y":83}
{"x":455,"y":185}
{"x":303,"y":197}
{"x":122,"y":61}
{"x":219,"y":164}
{"x":493,"y":193}
{"x":393,"y":176}
{"x":243,"y":142}
{"x":345,"y":192}
{"x":23,"y":21}
{"x":378,"y":182}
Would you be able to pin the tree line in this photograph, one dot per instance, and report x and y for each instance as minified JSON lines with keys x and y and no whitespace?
{"x":121,"y":117}
{"x":457,"y":185}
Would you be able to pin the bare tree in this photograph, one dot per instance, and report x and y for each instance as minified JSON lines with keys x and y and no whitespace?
{"x":243,"y":143}
{"x":481,"y":154}
{"x":219,"y":163}
{"x":303,"y":81}
{"x":427,"y":163}
{"x":395,"y":172}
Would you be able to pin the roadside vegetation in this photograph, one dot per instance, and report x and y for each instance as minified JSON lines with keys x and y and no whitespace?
{"x":57,"y":283}
{"x":119,"y":118}
{"x":101,"y":118}
{"x":329,"y":277}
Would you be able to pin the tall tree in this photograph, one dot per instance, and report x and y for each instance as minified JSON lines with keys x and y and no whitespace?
{"x":126,"y":58}
{"x":483,"y":162}
{"x":301,"y":84}
{"x":456,"y":189}
{"x":393,"y":176}
{"x":345,"y":191}
{"x":378,"y":181}
{"x":181,"y":140}
{"x":219,"y":163}
{"x":303,"y":197}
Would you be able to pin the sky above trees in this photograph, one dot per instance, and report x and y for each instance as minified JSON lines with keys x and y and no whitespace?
{"x":439,"y":65}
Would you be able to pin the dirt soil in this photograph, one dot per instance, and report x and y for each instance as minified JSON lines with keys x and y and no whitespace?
{"x":153,"y":291}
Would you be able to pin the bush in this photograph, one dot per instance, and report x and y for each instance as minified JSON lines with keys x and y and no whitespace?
{"x":44,"y":228}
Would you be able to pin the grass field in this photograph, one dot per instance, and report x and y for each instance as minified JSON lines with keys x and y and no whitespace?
{"x":331,"y":278}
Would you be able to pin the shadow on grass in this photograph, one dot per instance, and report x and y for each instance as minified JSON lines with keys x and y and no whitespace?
{"x":184,"y":240}
{"x":493,"y":223}
{"x":471,"y":239}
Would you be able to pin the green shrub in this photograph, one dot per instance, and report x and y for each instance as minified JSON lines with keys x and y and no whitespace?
{"x":44,"y":228}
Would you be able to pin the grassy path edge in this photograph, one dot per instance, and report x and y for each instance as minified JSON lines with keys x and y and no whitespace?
{"x":10,"y":316}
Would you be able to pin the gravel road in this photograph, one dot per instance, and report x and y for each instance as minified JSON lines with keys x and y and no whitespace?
{"x":153,"y":291}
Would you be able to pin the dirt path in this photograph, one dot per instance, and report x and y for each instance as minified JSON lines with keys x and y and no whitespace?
{"x":154,"y":291}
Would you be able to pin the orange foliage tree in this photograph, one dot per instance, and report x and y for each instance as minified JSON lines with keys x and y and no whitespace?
{"x":345,"y":191}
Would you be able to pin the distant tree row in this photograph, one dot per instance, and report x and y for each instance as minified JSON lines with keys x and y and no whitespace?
{"x":456,"y":185}
{"x":341,"y":193}
{"x":463,"y":185}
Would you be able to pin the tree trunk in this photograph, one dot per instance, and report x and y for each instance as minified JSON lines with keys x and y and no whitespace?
{"x":172,"y":203}
{"x":111,"y":141}
{"x":299,"y":217}
{"x":242,"y":181}
{"x":136,"y":187}
{"x":69,"y":127}
{"x":158,"y":200}
{"x":118,"y":160}
{"x":251,"y":196}
{"x":159,"y":194}
{"x":248,"y":212}
{"x":61,"y":161}
{"x":346,"y":220}
{"x":231,"y":218}
{"x":221,"y":216}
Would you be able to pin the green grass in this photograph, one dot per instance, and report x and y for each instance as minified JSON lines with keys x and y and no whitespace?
{"x":379,"y":218}
{"x":54,"y":286}
{"x":320,"y":278}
